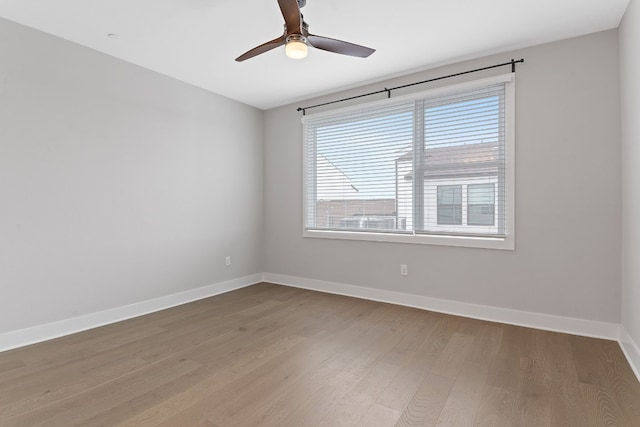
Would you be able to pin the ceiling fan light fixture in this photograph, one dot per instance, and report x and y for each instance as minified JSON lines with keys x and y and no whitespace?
{"x":297,"y":39}
{"x":296,"y":47}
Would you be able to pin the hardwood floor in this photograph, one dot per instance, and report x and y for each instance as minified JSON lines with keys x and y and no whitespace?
{"x":275,"y":356}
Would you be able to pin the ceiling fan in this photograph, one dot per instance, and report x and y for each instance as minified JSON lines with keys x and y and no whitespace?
{"x":296,"y":37}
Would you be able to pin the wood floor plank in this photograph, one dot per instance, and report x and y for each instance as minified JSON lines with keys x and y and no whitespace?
{"x":427,"y":403}
{"x":245,"y":392}
{"x":225,"y":369}
{"x":600,"y":409}
{"x":463,"y":402}
{"x":357,"y":401}
{"x":10,"y":365}
{"x":394,"y":350}
{"x":360,"y":353}
{"x":275,"y":409}
{"x":535,"y":411}
{"x":378,"y":416}
{"x":496,"y":408}
{"x":403,"y":387}
{"x":453,"y":357}
{"x":486,"y":343}
{"x":624,"y":388}
{"x":78,"y":408}
{"x":269,"y":355}
{"x":37,"y":392}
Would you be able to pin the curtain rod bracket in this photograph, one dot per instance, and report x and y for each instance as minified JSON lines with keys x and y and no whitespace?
{"x":514,"y":62}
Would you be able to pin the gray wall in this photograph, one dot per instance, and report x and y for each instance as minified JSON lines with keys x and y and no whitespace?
{"x":568,"y":197}
{"x":117,"y":184}
{"x":630,"y":97}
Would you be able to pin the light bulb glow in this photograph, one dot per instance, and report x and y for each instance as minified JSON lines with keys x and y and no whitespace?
{"x":296,"y":48}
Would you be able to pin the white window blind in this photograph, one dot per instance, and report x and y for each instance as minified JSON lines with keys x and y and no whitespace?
{"x":350,"y":163}
{"x":430,"y":164}
{"x":464,"y":145}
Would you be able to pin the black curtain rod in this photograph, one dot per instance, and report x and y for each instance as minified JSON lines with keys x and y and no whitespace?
{"x":513,"y":63}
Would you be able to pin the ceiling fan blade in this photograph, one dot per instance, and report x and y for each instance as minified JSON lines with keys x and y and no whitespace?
{"x":339,"y":46}
{"x":265,"y":47}
{"x":292,"y":16}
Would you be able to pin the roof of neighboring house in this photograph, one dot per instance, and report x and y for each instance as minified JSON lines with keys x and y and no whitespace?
{"x":459,"y":160}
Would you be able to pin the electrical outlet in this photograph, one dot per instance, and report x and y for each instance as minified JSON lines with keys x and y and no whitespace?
{"x":404,"y":271}
{"x":227,"y":260}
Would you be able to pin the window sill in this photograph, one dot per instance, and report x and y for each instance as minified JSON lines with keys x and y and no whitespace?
{"x":506,"y":243}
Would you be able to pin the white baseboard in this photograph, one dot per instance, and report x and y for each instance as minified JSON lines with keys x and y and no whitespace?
{"x":547,"y":322}
{"x":631,"y":350}
{"x":22,"y":337}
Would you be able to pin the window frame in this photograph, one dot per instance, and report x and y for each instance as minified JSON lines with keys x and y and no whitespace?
{"x":506,"y":242}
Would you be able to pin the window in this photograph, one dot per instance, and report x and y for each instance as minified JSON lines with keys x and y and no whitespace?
{"x":481,"y":204}
{"x":450,"y":204}
{"x":435,"y":167}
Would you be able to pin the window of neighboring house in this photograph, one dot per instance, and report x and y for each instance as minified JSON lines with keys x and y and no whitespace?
{"x":481,"y":204}
{"x":450,"y":204}
{"x":435,"y":167}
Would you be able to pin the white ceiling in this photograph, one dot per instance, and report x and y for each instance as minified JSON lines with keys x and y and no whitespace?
{"x":196,"y":41}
